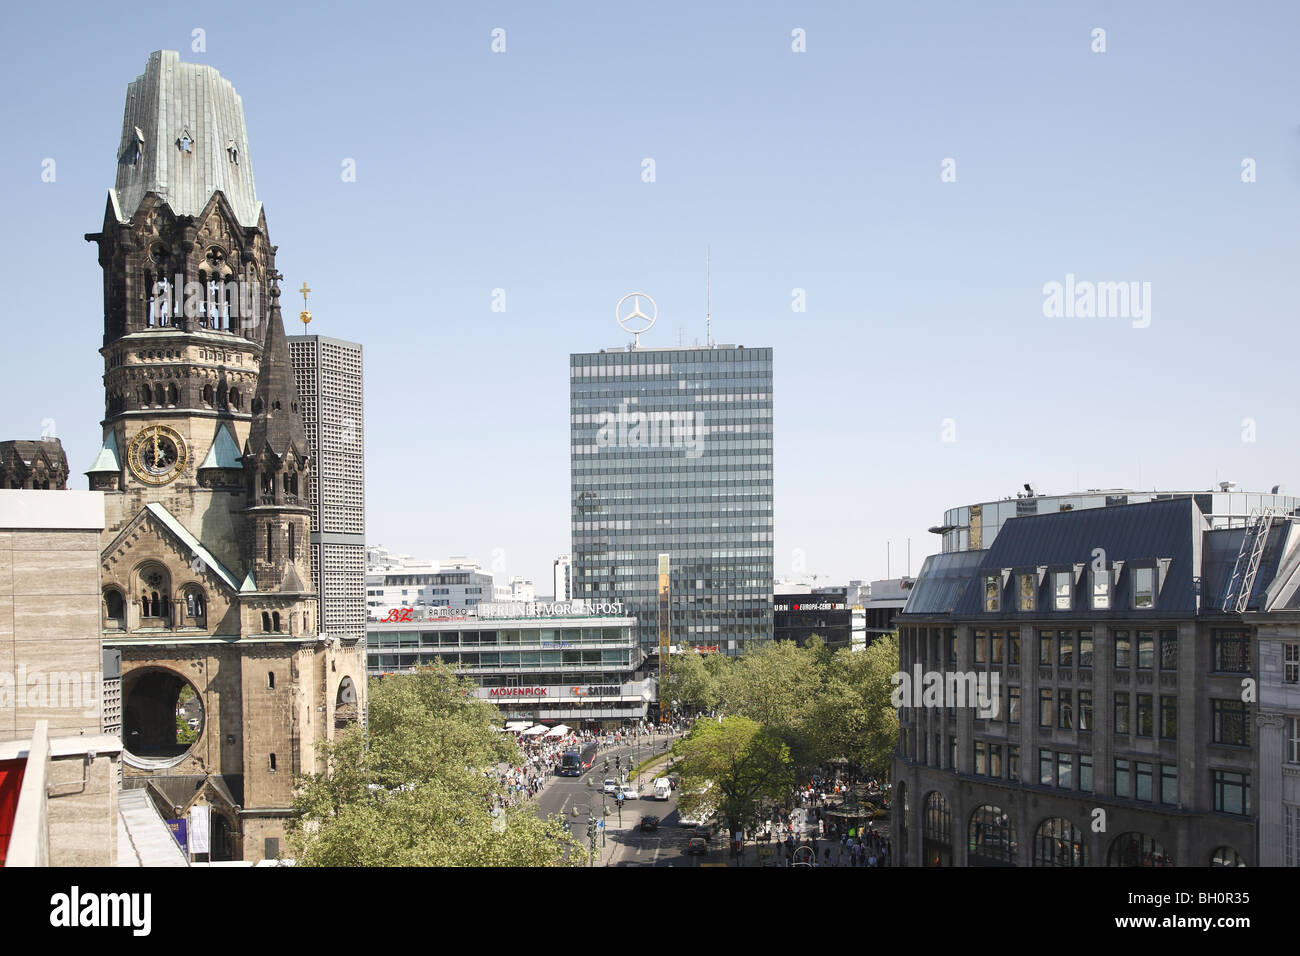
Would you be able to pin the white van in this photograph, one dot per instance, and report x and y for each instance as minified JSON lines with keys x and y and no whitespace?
{"x":663,"y":788}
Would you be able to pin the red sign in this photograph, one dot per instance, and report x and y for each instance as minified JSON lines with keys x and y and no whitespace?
{"x":517,"y":692}
{"x":11,"y":781}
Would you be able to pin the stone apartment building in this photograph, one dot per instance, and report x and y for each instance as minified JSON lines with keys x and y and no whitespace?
{"x":1125,"y":650}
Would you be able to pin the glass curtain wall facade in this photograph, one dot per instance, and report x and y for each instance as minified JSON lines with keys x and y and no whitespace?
{"x":672,"y":453}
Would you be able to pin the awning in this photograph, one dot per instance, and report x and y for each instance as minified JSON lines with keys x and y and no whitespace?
{"x":558,"y":731}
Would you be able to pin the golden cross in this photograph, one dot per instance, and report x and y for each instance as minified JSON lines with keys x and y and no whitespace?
{"x":304,"y":315}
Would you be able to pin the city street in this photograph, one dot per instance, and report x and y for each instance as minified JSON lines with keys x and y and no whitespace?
{"x":624,"y":843}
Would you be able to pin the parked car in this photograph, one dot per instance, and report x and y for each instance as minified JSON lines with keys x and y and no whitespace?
{"x":696,"y":845}
{"x":611,"y":785}
{"x":649,"y":823}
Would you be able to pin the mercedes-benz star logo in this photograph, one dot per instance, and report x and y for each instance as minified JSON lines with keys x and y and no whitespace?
{"x":625,"y":317}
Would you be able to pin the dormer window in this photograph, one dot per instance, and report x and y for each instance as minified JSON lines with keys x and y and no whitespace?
{"x":1027,"y":594}
{"x":185,"y":143}
{"x":1061,"y":590}
{"x":1144,"y":587}
{"x":992,"y":592}
{"x":1100,"y":590}
{"x":232,"y":151}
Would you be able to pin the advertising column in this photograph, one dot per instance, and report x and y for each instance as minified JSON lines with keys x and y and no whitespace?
{"x":663,"y":638}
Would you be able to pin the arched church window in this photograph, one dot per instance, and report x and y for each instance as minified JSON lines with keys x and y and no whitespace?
{"x":221,"y":396}
{"x":275,"y":620}
{"x":266,"y":622}
{"x":145,"y":395}
{"x":114,"y":609}
{"x":196,"y":611}
{"x":173,"y":396}
{"x":159,"y":395}
{"x":235,"y":400}
{"x":209,"y":396}
{"x":155,"y":584}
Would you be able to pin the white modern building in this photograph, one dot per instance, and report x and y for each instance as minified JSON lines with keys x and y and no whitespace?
{"x":562,"y":569}
{"x":397,"y":581}
{"x":522,"y":589}
{"x":567,"y":661}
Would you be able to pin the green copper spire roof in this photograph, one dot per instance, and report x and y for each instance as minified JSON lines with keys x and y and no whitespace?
{"x":108,"y":458}
{"x":183,"y":137}
{"x":224,"y":453}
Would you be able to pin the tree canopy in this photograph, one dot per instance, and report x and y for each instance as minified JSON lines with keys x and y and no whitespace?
{"x":823,"y":705}
{"x":411,"y":791}
{"x":735,"y":765}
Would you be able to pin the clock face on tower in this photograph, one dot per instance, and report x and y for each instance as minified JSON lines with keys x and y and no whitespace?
{"x":157,"y":455}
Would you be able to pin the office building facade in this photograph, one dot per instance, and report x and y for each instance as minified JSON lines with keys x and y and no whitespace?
{"x":398,"y":582}
{"x":1073,"y":694}
{"x":672,"y":454}
{"x":798,"y":615}
{"x":561,"y":662}
{"x":329,"y":373}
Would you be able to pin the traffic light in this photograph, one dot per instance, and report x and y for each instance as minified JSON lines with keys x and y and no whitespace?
{"x":618,"y":762}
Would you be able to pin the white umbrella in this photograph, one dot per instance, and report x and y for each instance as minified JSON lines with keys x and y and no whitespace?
{"x":558,"y":731}
{"x":534,"y":731}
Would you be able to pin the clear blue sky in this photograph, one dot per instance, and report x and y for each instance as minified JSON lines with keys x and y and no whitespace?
{"x":818,"y":171}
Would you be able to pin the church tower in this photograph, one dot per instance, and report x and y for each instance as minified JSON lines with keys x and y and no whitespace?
{"x":228,"y":682}
{"x":277,"y":464}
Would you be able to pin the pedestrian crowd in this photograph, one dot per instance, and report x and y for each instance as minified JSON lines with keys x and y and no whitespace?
{"x":826,"y":838}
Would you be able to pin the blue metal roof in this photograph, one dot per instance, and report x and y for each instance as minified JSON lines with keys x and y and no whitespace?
{"x":1139,"y":534}
{"x":943,"y":579}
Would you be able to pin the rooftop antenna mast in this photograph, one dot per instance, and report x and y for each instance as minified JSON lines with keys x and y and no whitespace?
{"x":708,"y":290}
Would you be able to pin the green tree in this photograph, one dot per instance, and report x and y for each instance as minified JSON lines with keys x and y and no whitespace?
{"x":691,"y":683}
{"x":777,"y":685}
{"x":854,"y":718}
{"x":735,"y":765}
{"x":412,"y":791}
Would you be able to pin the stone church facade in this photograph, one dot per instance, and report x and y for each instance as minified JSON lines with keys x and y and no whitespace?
{"x":228,"y":683}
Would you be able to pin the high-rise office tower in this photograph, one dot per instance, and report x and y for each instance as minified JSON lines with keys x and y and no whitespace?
{"x":672,"y":454}
{"x":329,"y":374}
